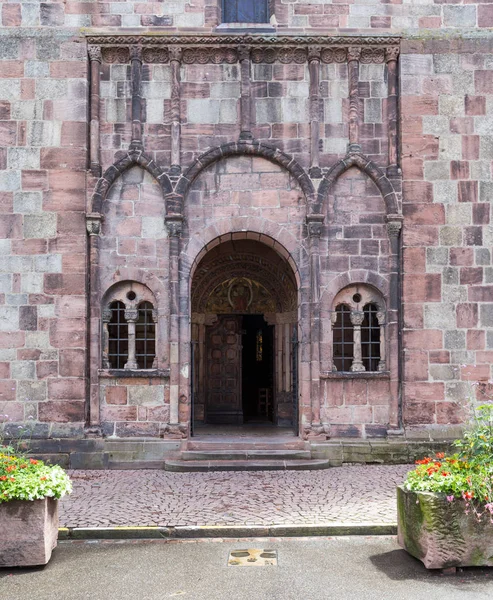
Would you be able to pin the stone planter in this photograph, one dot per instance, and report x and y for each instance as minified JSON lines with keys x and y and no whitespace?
{"x":440,"y":534}
{"x":29,"y":532}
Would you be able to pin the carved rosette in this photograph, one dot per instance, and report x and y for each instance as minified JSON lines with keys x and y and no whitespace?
{"x":203,"y":56}
{"x":155,"y":55}
{"x":372,"y":55}
{"x":116,"y":55}
{"x":333,"y":55}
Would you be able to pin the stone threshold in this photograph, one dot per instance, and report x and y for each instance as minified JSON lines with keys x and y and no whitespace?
{"x":225,"y":531}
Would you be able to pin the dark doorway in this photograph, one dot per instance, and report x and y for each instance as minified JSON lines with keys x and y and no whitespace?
{"x":257,"y":370}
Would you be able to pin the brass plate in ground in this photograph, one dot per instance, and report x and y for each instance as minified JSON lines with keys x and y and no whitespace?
{"x":252,"y":558}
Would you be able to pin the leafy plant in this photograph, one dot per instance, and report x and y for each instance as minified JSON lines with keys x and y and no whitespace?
{"x":23,"y":478}
{"x":466,"y":475}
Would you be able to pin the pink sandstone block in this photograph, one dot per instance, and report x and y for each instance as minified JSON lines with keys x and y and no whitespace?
{"x":29,"y":532}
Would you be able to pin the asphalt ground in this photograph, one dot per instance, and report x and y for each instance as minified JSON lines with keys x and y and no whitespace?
{"x":342,"y":568}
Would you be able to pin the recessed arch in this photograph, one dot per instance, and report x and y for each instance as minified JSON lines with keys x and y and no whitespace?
{"x":131,"y":159}
{"x":244,"y":305}
{"x":368,"y":167}
{"x":270,"y":153}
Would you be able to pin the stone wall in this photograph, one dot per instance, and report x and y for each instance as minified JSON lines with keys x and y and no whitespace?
{"x":299,"y":14}
{"x":447,"y":89}
{"x":446,"y":152}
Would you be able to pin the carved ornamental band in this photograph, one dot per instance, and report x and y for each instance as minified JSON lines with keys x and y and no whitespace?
{"x":264,"y":49}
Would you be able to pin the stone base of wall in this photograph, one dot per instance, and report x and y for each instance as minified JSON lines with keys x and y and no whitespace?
{"x":152,"y":454}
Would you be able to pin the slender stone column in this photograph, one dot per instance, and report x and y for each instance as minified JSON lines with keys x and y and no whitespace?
{"x":314,"y":71}
{"x":136,"y":70}
{"x":315,"y":228}
{"x":391,"y":55}
{"x":175,"y":227}
{"x":95,"y":79}
{"x":357,"y":317}
{"x":395,"y":357}
{"x":106,"y":318}
{"x":246,"y":93}
{"x":131,"y":316}
{"x":93,"y":226}
{"x":175,"y":55}
{"x":353,"y":76}
{"x":382,"y":364}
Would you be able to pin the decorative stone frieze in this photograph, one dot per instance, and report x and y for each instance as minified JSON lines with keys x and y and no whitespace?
{"x":265,"y":49}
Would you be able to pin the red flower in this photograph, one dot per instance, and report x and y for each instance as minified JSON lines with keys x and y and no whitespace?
{"x":445,"y":473}
{"x":3,"y":478}
{"x":468,"y":495}
{"x":33,"y":462}
{"x":440,"y":454}
{"x":43,"y":478}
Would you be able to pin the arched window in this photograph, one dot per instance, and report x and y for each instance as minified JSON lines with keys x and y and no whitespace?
{"x":358,"y":330}
{"x":245,"y":11}
{"x":343,"y":338}
{"x":145,"y":336}
{"x":129,"y":327}
{"x":370,"y":338}
{"x":117,"y":336}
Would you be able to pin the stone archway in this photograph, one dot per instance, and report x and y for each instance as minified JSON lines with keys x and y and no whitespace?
{"x":244,"y":302}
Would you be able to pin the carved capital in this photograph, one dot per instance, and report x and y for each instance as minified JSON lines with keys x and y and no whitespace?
{"x":391,"y":53}
{"x":243,"y":52}
{"x":314,"y":53}
{"x":394,"y":227}
{"x":136,"y":53}
{"x":93,"y":223}
{"x":175,"y":53}
{"x":353,"y":53}
{"x":315,"y":225}
{"x":381,"y":317}
{"x":131,"y":314}
{"x":95,"y":53}
{"x":174,"y":226}
{"x":106,"y":315}
{"x":357,"y":317}
{"x":333,"y":317}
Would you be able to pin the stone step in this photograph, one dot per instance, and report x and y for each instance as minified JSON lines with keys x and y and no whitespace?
{"x":188,"y":466}
{"x":251,"y":454}
{"x":250,"y":444}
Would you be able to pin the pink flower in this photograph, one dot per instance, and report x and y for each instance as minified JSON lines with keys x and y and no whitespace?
{"x":450,"y":498}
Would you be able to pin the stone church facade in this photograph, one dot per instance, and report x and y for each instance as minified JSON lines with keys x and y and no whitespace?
{"x":218,"y":213}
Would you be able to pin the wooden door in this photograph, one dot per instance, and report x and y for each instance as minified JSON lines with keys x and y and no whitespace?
{"x":223,"y":371}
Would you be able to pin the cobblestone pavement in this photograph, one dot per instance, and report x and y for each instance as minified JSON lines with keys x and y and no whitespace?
{"x":350,"y":494}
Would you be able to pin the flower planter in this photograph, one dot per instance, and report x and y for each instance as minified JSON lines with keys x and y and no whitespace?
{"x":29,"y":532}
{"x":440,"y":533}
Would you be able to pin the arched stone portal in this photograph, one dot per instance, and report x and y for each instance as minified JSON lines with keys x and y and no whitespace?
{"x":244,"y":300}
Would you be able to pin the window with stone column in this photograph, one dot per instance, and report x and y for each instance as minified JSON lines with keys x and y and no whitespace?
{"x":129,"y":327}
{"x":358,"y":330}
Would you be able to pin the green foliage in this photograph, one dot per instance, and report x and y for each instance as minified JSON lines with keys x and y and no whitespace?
{"x":23,"y":478}
{"x":467,"y":474}
{"x":477,"y":445}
